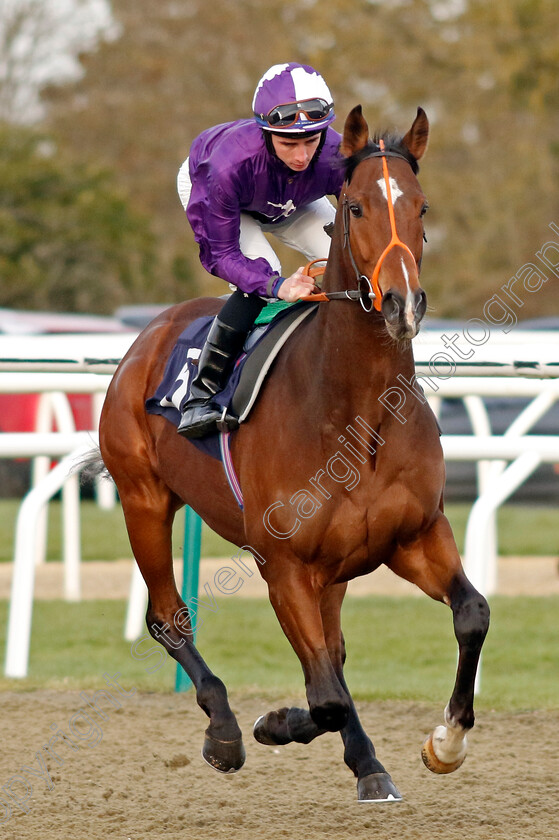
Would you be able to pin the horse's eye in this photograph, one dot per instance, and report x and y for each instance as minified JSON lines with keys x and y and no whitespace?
{"x":424,"y":209}
{"x":356,"y":210}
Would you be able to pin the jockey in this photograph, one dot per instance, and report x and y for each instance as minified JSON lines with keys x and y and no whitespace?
{"x":268,"y":174}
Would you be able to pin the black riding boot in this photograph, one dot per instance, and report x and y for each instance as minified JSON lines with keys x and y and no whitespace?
{"x":201,"y":413}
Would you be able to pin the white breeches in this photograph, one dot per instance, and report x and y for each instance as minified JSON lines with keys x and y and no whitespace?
{"x":303,"y":230}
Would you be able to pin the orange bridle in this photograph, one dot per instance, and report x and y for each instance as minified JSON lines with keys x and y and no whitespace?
{"x":395,"y":241}
{"x":374,"y":291}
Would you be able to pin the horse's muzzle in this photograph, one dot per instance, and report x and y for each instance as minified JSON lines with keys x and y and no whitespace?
{"x":403,"y":314}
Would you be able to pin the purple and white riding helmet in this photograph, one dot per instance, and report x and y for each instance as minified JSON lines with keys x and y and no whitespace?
{"x":293,"y":98}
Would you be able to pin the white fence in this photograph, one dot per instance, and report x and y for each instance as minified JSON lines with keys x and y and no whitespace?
{"x":504,"y":461}
{"x":42,"y":446}
{"x":35,"y":364}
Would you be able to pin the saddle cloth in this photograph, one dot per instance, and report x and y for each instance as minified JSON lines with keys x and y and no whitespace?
{"x":251,"y":368}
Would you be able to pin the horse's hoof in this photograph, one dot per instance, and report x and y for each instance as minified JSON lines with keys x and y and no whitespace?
{"x":260,"y":732}
{"x":273,"y":722}
{"x":224,"y":756}
{"x":434,"y":764}
{"x":377,"y":787}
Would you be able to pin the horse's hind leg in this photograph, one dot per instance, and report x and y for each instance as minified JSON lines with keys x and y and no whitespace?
{"x":432,"y":562}
{"x":149,"y":509}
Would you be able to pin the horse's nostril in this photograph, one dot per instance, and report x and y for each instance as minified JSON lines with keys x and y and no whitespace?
{"x":392,"y":306}
{"x":421,"y":304}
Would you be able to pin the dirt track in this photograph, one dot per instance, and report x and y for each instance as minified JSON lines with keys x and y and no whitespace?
{"x":145,"y":778}
{"x":138,"y":774}
{"x":516,"y":576}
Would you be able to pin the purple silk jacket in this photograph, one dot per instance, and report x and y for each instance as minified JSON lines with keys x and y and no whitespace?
{"x":232,"y":172}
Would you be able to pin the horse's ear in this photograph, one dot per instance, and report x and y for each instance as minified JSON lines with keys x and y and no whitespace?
{"x":356,"y":133}
{"x":416,"y":138}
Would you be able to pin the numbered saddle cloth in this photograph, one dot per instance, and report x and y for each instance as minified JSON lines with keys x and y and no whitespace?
{"x":250,"y":370}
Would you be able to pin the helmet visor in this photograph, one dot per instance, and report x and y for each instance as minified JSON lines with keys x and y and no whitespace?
{"x":283,"y":116}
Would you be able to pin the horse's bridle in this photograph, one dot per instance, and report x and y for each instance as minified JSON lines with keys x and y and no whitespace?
{"x":368,"y":291}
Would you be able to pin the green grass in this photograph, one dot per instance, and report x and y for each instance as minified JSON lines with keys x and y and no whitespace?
{"x":523,"y":530}
{"x":398,"y":648}
{"x":103,"y":533}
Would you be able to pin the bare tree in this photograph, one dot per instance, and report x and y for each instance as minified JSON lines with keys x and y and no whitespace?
{"x":39,"y":43}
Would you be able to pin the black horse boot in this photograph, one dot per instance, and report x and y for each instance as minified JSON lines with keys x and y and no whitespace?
{"x":201,"y":413}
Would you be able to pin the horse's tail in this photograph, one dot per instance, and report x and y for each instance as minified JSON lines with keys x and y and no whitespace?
{"x":91,"y":465}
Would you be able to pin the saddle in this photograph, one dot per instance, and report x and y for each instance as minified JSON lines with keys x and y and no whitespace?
{"x":251,"y":368}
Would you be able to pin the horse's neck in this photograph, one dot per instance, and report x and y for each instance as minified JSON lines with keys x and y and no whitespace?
{"x":355,"y":361}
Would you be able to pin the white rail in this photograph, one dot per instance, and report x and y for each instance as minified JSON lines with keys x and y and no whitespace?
{"x":23,"y":581}
{"x":500,"y":447}
{"x":502,"y":467}
{"x":42,"y":446}
{"x":64,"y":353}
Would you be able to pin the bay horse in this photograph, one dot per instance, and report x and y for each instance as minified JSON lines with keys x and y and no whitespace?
{"x":317,"y":518}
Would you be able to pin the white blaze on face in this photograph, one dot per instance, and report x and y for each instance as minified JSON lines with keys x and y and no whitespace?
{"x":410,"y":303}
{"x":409,"y":306}
{"x":395,"y":190}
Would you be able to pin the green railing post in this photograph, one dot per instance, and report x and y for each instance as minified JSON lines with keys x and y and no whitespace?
{"x":190,"y":577}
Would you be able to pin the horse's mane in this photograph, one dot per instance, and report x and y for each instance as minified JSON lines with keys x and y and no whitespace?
{"x":392,"y":143}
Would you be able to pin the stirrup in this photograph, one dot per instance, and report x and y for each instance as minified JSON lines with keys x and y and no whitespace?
{"x":216,"y":419}
{"x":227,"y":422}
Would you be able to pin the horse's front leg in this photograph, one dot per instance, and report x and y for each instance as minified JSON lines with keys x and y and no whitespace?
{"x":432,"y":562}
{"x":296,"y":604}
{"x":168,"y":621}
{"x":374,"y":784}
{"x":445,"y":749}
{"x":293,"y":724}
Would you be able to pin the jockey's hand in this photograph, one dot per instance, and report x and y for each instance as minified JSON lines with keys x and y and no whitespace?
{"x":296,"y":286}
